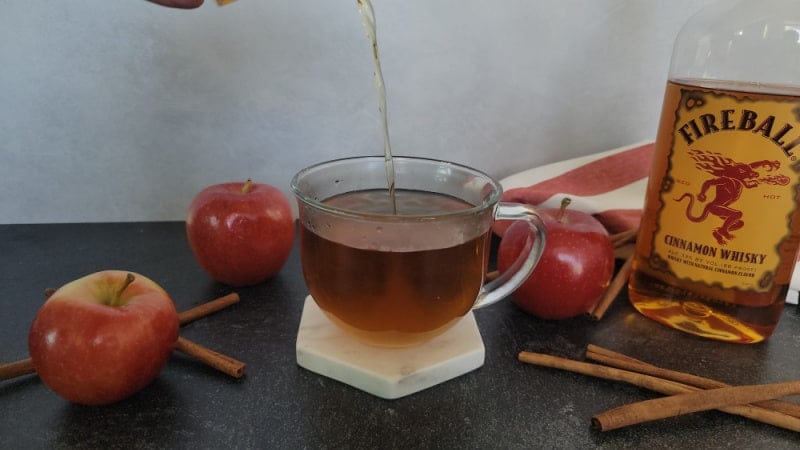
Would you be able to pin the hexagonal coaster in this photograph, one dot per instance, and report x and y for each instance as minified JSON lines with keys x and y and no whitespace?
{"x":325,"y":349}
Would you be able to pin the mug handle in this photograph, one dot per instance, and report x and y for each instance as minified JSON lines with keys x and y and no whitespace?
{"x":512,"y":278}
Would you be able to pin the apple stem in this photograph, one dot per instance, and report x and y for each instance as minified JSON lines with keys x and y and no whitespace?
{"x":247,"y":185}
{"x":128,"y":280}
{"x":564,"y":203}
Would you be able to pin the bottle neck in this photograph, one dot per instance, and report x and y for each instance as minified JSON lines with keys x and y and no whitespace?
{"x":755,"y":42}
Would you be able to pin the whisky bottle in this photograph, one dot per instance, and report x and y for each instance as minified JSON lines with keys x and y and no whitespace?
{"x":721,"y":225}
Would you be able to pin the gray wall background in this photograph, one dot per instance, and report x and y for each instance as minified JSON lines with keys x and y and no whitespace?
{"x":122,"y":110}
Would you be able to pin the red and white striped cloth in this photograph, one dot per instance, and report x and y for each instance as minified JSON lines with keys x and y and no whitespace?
{"x":609,"y":185}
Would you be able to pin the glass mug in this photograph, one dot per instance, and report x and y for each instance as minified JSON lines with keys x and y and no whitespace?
{"x":399,"y":279}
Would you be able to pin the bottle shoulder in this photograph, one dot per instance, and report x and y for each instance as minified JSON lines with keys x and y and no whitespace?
{"x":742,"y":87}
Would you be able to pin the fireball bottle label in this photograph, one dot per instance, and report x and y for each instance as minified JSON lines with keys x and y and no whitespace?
{"x":728,"y":195}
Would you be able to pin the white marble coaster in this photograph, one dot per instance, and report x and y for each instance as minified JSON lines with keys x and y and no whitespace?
{"x":388,"y":373}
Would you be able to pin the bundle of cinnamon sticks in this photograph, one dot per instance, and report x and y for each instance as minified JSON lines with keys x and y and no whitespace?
{"x":686,"y":393}
{"x":624,"y":243}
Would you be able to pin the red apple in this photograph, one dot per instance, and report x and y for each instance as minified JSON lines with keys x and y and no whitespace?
{"x":241,"y":233}
{"x":103,"y":337}
{"x":575,"y":269}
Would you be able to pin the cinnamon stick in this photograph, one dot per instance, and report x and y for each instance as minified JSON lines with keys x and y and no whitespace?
{"x":16,"y":369}
{"x":205,"y":309}
{"x":618,"y":360}
{"x":624,"y":237}
{"x":25,"y":366}
{"x":624,"y":251}
{"x":619,"y":281}
{"x":702,"y":400}
{"x":657,"y":385}
{"x":223,"y":363}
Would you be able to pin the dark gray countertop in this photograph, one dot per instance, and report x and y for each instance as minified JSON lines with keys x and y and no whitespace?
{"x":505,"y":404}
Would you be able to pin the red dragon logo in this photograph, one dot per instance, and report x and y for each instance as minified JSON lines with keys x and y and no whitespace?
{"x":729,"y":179}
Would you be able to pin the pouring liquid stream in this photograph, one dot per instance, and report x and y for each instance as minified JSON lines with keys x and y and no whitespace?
{"x":368,"y":17}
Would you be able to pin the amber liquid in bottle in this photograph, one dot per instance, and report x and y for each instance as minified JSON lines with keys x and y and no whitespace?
{"x":720,"y":229}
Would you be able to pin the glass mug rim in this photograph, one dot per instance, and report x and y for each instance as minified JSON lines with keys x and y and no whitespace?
{"x":489,"y":201}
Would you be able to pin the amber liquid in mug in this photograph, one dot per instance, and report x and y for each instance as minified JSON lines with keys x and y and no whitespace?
{"x":396,"y":290}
